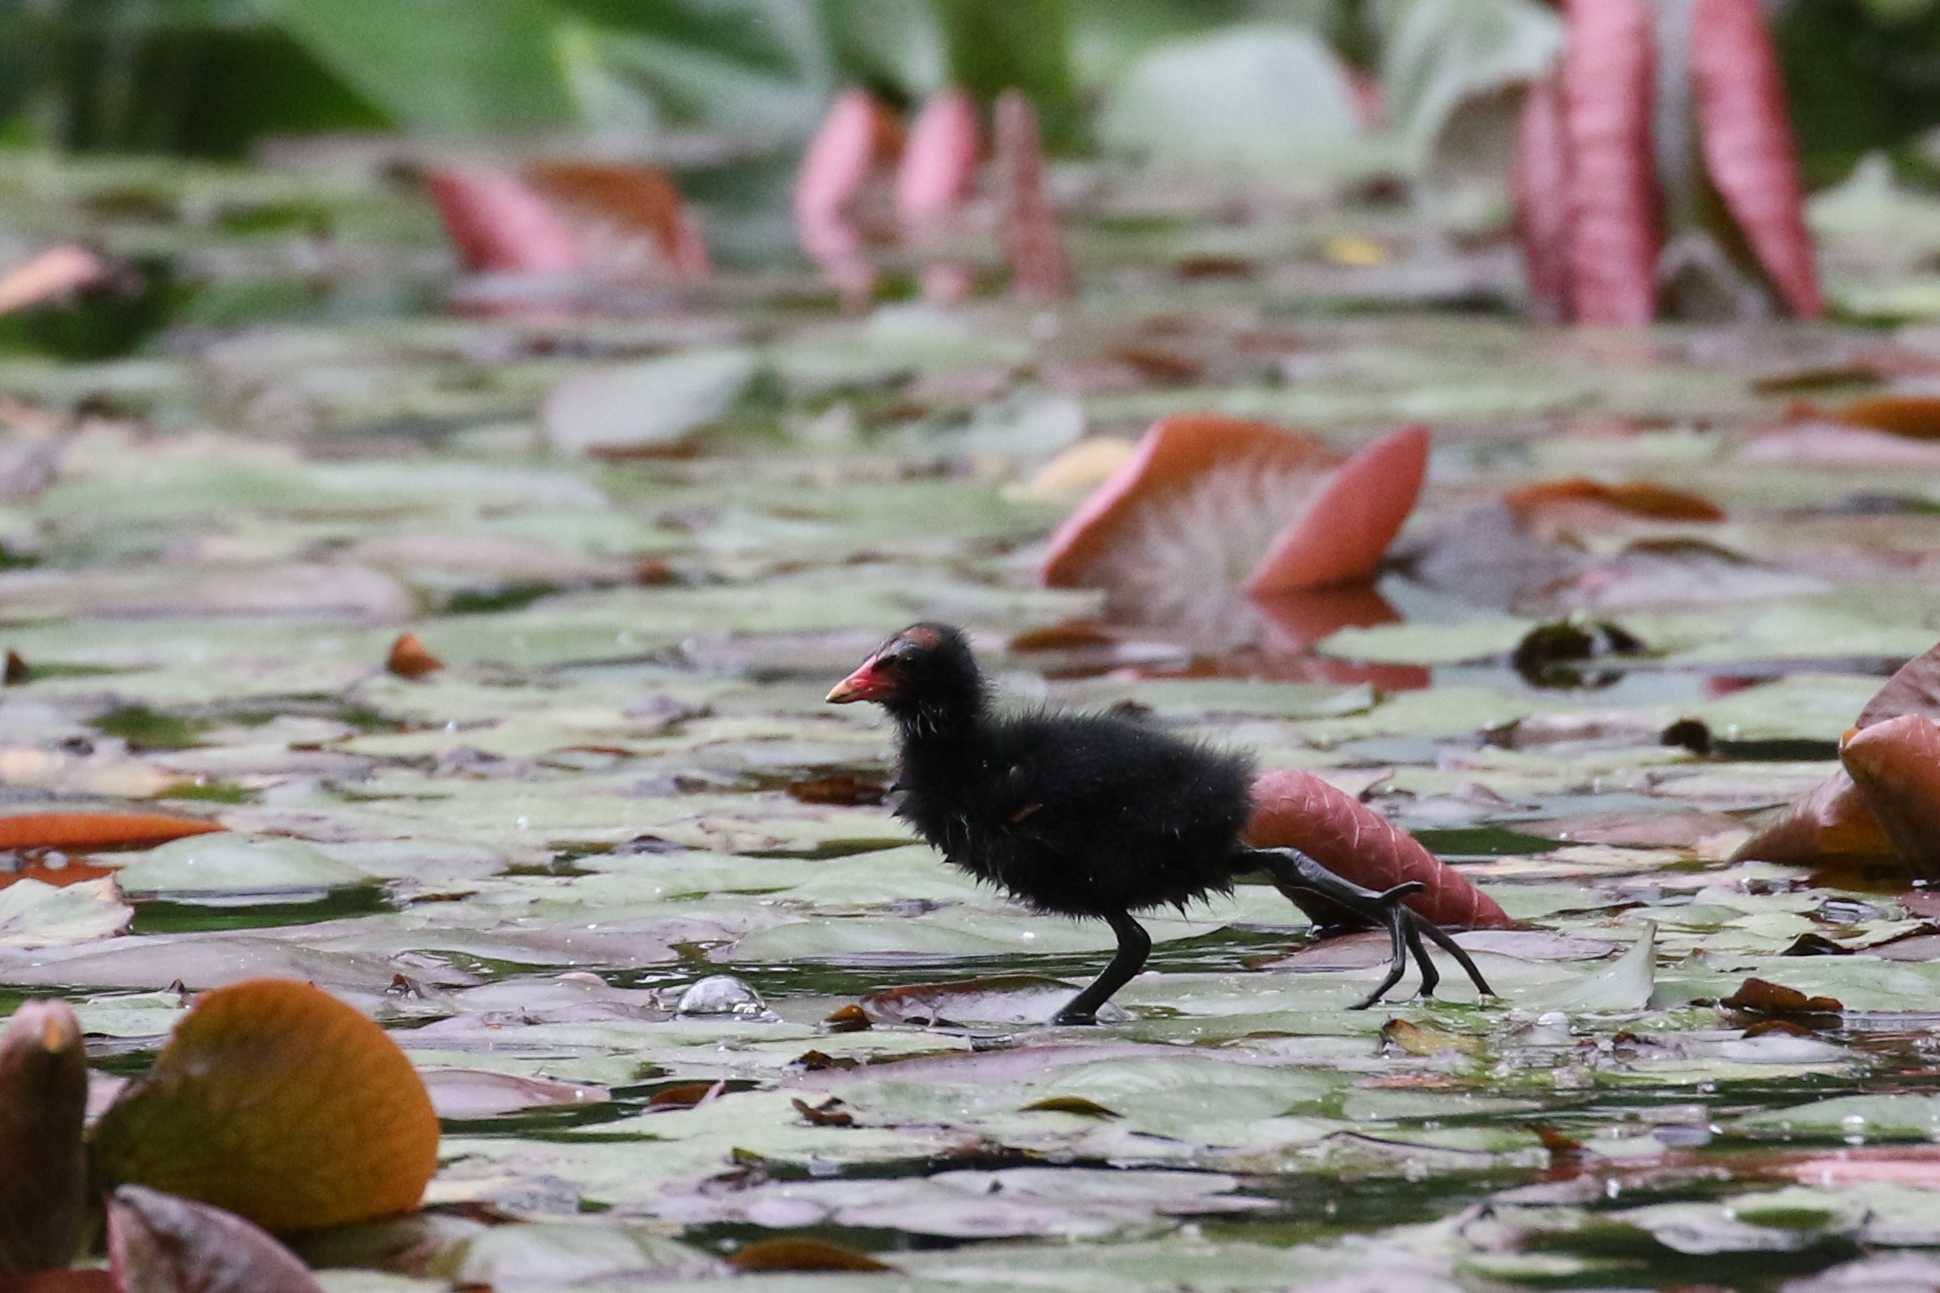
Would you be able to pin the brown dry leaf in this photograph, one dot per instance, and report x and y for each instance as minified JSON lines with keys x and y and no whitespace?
{"x":829,"y":1113}
{"x":610,"y":202}
{"x":1640,"y":498}
{"x":410,"y":659}
{"x":802,"y":1254}
{"x":15,"y":671}
{"x":43,"y":1095}
{"x":843,"y":789}
{"x":96,"y":830}
{"x":1913,"y":689}
{"x":1833,"y":824}
{"x":848,"y":1019}
{"x":1910,"y":415}
{"x":1768,"y":998}
{"x":158,"y":1243}
{"x":278,"y":1102}
{"x":685,"y":1095}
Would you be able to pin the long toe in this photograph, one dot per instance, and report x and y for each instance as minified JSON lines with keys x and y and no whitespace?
{"x":1066,"y":1019}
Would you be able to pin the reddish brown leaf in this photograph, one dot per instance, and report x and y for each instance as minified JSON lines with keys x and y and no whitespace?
{"x":85,"y":1281}
{"x":844,"y":789}
{"x":625,"y":199}
{"x":847,"y":1019}
{"x":158,"y":1243}
{"x":1896,"y":765}
{"x":1040,"y":270}
{"x":1768,"y":998}
{"x":1909,"y":414}
{"x":1833,"y":824}
{"x":96,"y":830}
{"x":1346,"y":527}
{"x":829,"y":1113}
{"x":1641,"y":498}
{"x":409,"y":659}
{"x":1608,"y":93}
{"x":498,"y":223}
{"x":15,"y":671}
{"x":43,"y":1094}
{"x":1539,"y":186}
{"x":1747,"y":142}
{"x":1913,"y":689}
{"x":1295,"y":809}
{"x":802,"y":1254}
{"x":71,"y":870}
{"x":685,"y":1095}
{"x":278,"y":1102}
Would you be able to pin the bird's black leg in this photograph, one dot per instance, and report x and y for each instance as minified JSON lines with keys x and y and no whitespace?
{"x":1134,"y":945}
{"x":1293,"y":871}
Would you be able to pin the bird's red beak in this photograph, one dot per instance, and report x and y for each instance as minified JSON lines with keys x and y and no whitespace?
{"x":864,"y":684}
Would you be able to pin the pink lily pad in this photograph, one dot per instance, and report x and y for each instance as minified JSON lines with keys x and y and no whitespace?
{"x":1347,"y":526}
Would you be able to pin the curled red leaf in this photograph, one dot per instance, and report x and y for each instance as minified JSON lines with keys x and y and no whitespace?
{"x":1746,"y":138}
{"x":1608,"y":93}
{"x":1341,"y":534}
{"x":1295,"y":809}
{"x":499,"y":224}
{"x":1896,"y":765}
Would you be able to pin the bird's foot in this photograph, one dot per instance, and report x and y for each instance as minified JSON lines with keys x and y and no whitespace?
{"x":1387,"y":908}
{"x":1068,"y":1018}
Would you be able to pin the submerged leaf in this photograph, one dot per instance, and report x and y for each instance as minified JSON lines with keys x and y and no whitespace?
{"x":43,"y":1095}
{"x":158,"y":1243}
{"x":278,"y":1102}
{"x":802,"y":1254}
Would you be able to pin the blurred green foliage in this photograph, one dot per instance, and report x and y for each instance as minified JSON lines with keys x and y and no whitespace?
{"x":210,"y":77}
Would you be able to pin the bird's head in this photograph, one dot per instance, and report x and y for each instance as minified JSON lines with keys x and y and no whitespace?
{"x":926,"y":668}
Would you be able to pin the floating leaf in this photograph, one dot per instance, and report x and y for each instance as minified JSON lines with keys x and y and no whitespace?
{"x":646,"y":408}
{"x":1746,"y":135}
{"x":1346,"y":527}
{"x":34,"y":914}
{"x":1640,"y":498}
{"x":1426,"y":1039}
{"x":1914,"y":688}
{"x":1768,"y":998}
{"x":43,"y":1096}
{"x":96,"y":830}
{"x":1039,"y":268}
{"x":1295,"y":809}
{"x":280,"y":1103}
{"x":1608,"y":89}
{"x":802,"y":1254}
{"x":1907,"y":414}
{"x":1834,"y":823}
{"x":410,"y":659}
{"x":1007,"y":998}
{"x":158,"y":1243}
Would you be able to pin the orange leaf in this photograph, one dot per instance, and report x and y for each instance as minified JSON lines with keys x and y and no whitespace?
{"x":1039,"y":268}
{"x":277,"y":1102}
{"x":409,"y":659}
{"x":1608,"y":84}
{"x":157,"y":1241}
{"x":1643,"y":498}
{"x":43,"y":1095}
{"x":71,"y":871}
{"x":1896,"y":765}
{"x":1913,"y":416}
{"x":1746,"y":137}
{"x":96,"y":830}
{"x":1347,"y":526}
{"x":1169,"y":457}
{"x":1295,"y":809}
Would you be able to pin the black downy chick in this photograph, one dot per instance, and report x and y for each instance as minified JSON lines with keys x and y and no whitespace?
{"x":1089,"y":815}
